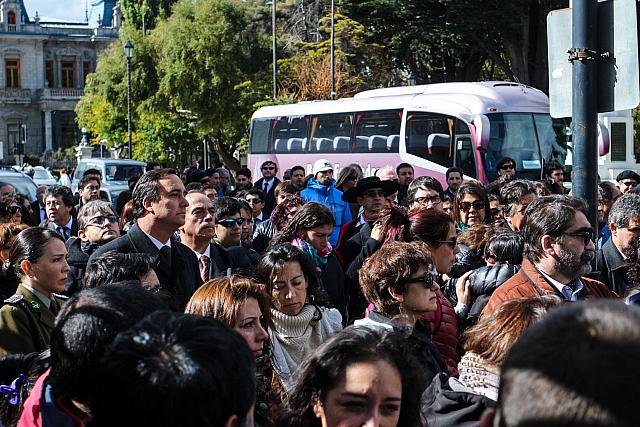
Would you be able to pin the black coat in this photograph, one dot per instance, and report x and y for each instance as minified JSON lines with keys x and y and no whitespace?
{"x":77,"y":260}
{"x":52,"y":226}
{"x":610,"y":268}
{"x":235,"y":258}
{"x":180,"y":279}
{"x":37,"y":218}
{"x":332,"y":278}
{"x":270,"y":200}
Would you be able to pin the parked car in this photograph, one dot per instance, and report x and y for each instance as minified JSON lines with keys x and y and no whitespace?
{"x":115,"y":174}
{"x":42,"y":176}
{"x":21,"y":181}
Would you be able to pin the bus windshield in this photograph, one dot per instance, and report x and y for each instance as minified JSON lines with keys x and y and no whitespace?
{"x":531,"y":139}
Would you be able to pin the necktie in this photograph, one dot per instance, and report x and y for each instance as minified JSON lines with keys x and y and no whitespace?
{"x":567,"y":292}
{"x":165,"y":256}
{"x":63,"y":231}
{"x":204,"y":268}
{"x":265,"y":190}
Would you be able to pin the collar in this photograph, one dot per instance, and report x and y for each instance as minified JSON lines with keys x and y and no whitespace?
{"x":45,"y":300}
{"x":267,"y":181}
{"x":259,"y":217}
{"x":207,"y":253}
{"x":569,"y":292}
{"x":68,"y":224}
{"x":619,"y":251}
{"x":157,"y":243}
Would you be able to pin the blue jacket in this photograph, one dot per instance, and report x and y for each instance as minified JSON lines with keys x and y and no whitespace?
{"x":331,"y":197}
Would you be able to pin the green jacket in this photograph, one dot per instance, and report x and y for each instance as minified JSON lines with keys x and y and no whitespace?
{"x":17,"y":334}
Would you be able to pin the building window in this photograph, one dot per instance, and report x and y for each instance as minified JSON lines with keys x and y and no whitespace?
{"x":48,"y":73}
{"x":11,"y":17}
{"x":68,"y":74}
{"x":13,"y":138}
{"x":86,"y":70}
{"x":12,"y":71}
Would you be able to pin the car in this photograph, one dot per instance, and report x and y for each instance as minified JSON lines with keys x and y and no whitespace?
{"x":21,"y":181}
{"x":115,"y":174}
{"x":42,"y":176}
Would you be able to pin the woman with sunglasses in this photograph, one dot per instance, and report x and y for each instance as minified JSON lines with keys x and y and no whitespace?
{"x":471,"y":206}
{"x":10,"y":213}
{"x":398,"y":282}
{"x":309,"y":230}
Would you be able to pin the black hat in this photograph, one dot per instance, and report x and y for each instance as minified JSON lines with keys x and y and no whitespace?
{"x":364,"y":184}
{"x":628,"y":175}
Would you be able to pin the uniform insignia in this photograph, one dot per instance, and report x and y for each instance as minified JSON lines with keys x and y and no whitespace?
{"x":35,"y":306}
{"x":13,"y":299}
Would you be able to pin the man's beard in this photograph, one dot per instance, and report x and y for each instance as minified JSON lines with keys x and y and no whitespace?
{"x":571,"y":265}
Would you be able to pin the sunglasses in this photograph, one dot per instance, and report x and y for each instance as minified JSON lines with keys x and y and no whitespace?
{"x":587,"y":236}
{"x":451,"y":243}
{"x":101,"y":220}
{"x":230,"y":222}
{"x":629,"y":183}
{"x":269,"y":168}
{"x":254,"y":201}
{"x":477,"y":205}
{"x":10,"y":209}
{"x":507,"y":166}
{"x":434,"y":200}
{"x":426,"y":280}
{"x":374,"y":193}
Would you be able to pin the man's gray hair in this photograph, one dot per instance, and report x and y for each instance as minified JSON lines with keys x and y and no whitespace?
{"x":91,"y":208}
{"x":627,"y":206}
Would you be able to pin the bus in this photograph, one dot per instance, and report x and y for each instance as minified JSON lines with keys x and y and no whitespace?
{"x":469,"y":125}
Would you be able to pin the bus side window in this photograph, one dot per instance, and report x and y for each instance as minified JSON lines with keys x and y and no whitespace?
{"x":375,"y":129}
{"x":331,"y":133}
{"x":429,"y":136}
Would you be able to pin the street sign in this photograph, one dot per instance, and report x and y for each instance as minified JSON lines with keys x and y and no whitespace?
{"x":618,"y":79}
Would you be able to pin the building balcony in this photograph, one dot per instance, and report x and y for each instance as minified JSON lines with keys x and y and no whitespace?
{"x":15,"y":96}
{"x":61,"y":94}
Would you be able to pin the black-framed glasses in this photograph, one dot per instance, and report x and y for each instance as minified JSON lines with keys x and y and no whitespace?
{"x":101,"y":220}
{"x":230,"y":222}
{"x":451,"y":242}
{"x":629,"y":183}
{"x":269,"y":168}
{"x":426,"y":280}
{"x":434,"y":200}
{"x":374,"y":193}
{"x":253,"y":201}
{"x":587,"y":235}
{"x":477,"y":205}
{"x":507,"y":166}
{"x":9,"y":210}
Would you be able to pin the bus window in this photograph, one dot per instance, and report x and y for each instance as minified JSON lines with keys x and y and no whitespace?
{"x":464,"y":154}
{"x":260,"y":136}
{"x":290,"y":134}
{"x":377,"y":131}
{"x":331,"y":132}
{"x":431,"y":137}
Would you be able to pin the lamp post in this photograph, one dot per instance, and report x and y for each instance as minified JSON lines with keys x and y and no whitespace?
{"x":273,"y":41}
{"x":333,"y":47}
{"x":128,"y":53}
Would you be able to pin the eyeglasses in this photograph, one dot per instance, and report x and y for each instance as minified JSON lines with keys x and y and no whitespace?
{"x":352,"y":178}
{"x":477,"y":205}
{"x":495,"y":212}
{"x":269,"y":168}
{"x":587,"y":236}
{"x":629,"y":183}
{"x":374,"y":193}
{"x":426,"y":280}
{"x":100,"y":220}
{"x":451,"y":243}
{"x":434,"y":200}
{"x":507,"y":166}
{"x":254,"y":201}
{"x":230,"y":222}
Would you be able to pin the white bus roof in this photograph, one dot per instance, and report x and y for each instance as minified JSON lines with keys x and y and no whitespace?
{"x":448,"y":98}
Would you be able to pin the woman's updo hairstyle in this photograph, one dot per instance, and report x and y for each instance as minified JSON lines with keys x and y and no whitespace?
{"x":29,"y":245}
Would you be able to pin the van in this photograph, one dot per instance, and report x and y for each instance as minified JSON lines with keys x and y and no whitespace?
{"x":115,"y":174}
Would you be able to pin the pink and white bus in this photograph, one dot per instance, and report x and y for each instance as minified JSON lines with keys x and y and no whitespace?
{"x":432,"y":127}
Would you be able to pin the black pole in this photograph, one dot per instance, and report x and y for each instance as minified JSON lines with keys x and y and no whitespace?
{"x":333,"y":44}
{"x":129,"y":104}
{"x":584,"y":101}
{"x":273,"y":41}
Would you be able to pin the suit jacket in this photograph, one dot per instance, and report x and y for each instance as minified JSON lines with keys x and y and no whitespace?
{"x":270,"y":200}
{"x":528,"y":282}
{"x":611,"y":268}
{"x":16,"y":332}
{"x":52,"y":226}
{"x":235,"y":258}
{"x":180,"y":279}
{"x":37,"y":219}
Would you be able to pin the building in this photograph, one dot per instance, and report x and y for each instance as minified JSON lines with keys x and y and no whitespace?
{"x":43,"y":66}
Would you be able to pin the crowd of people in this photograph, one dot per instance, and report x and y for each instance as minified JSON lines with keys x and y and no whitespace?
{"x":205,"y":298}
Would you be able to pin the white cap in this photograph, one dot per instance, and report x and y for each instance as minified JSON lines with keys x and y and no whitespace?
{"x":322,"y":165}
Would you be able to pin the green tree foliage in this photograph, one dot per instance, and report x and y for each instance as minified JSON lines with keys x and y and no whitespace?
{"x":145,"y":14}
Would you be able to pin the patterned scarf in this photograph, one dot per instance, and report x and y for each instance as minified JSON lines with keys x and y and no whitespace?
{"x":319,"y":258}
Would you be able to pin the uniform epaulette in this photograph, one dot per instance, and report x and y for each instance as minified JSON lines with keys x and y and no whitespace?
{"x":14,"y":299}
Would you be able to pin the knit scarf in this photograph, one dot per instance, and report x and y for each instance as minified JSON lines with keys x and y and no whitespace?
{"x":480,"y":376}
{"x":319,"y":258}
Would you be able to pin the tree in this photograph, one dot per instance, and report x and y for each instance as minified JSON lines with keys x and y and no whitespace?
{"x":144,"y":14}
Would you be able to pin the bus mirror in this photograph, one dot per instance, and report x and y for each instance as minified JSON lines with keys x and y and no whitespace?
{"x":603,"y":139}
{"x":483,"y":131}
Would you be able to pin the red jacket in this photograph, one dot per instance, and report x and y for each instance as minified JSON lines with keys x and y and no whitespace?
{"x":444,"y":332}
{"x":522,"y":285}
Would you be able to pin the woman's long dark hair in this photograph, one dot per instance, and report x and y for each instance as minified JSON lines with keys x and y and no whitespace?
{"x":309,"y":216}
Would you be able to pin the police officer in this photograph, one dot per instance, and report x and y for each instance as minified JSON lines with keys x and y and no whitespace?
{"x":38,"y":260}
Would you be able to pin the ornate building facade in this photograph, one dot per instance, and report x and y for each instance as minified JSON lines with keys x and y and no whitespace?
{"x":43,"y":67}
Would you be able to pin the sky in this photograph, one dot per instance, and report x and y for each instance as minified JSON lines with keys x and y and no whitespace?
{"x":71,"y":10}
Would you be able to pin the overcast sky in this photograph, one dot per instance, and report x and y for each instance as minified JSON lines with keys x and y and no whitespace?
{"x":70,"y":10}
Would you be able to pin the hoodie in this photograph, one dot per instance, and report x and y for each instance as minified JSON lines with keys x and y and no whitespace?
{"x":331,"y":197}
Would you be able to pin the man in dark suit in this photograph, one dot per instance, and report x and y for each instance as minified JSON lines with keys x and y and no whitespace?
{"x":159,"y":207}
{"x":59,"y":203}
{"x":197,"y":233}
{"x":268,"y":184}
{"x":39,"y":211}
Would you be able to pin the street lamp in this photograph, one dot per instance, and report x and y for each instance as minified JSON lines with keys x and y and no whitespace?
{"x":273,"y":41}
{"x":128,"y":53}
{"x":411,"y":79}
{"x":333,"y":43}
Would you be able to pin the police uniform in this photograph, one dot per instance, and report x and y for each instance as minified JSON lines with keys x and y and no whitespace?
{"x":26,"y":322}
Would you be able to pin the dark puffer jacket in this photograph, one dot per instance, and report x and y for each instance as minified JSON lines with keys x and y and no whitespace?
{"x":444,"y":327}
{"x":466,"y":260}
